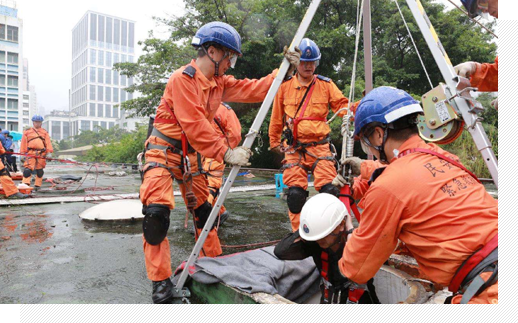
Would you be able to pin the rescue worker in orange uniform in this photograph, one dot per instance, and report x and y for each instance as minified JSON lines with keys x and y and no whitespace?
{"x":299,"y":114}
{"x":427,"y":199}
{"x":227,"y":126}
{"x":10,"y":189}
{"x":35,"y":142}
{"x":483,"y":76}
{"x":182,"y":133}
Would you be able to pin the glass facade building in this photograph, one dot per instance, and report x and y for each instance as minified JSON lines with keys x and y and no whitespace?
{"x":98,"y":42}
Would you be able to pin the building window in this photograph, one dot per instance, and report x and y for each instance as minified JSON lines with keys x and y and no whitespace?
{"x":85,"y":125}
{"x":26,"y":105}
{"x":100,"y":75}
{"x":117,"y":33}
{"x":99,"y":110}
{"x":108,"y":74}
{"x":131,"y":35}
{"x":115,"y":78}
{"x":92,"y":56}
{"x":93,"y":27}
{"x":92,"y":74}
{"x":12,"y":104}
{"x":101,"y":58}
{"x":103,"y":124}
{"x":123,"y":95}
{"x":108,"y":94}
{"x":100,"y":96}
{"x":107,"y":110}
{"x":109,"y":59}
{"x":124,"y":33}
{"x":115,"y":113}
{"x":100,"y":37}
{"x":116,"y":58}
{"x":2,"y":31}
{"x":25,"y":97}
{"x":109,"y":28}
{"x":123,"y":80}
{"x":12,"y":81}
{"x":2,"y":79}
{"x":115,"y":94}
{"x":56,"y":130}
{"x":92,"y":92}
{"x":2,"y":57}
{"x":12,"y":58}
{"x":92,"y":110}
{"x":111,"y":124}
{"x":2,"y":105}
{"x":12,"y":33}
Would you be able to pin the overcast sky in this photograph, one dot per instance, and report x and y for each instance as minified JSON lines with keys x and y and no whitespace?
{"x":47,"y":37}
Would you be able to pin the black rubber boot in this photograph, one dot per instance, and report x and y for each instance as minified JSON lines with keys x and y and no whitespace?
{"x":162,"y":291}
{"x":18,"y":196}
{"x":224,"y":216}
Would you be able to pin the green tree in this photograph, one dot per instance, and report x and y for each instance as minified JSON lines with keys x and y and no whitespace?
{"x":267,"y":25}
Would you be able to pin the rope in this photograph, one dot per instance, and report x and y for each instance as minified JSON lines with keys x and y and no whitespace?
{"x":250,"y":245}
{"x":413,"y":42}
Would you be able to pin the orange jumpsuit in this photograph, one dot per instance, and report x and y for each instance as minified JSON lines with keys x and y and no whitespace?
{"x":485,"y":77}
{"x":227,"y":126}
{"x":36,"y":143}
{"x":194,"y":101}
{"x":297,"y":164}
{"x":6,"y":180}
{"x":438,"y":210}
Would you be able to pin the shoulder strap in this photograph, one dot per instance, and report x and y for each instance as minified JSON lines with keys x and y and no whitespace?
{"x":189,"y":70}
{"x":324,"y":78}
{"x":305,"y":100}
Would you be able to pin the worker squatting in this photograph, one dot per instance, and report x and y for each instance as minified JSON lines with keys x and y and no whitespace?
{"x":415,"y":192}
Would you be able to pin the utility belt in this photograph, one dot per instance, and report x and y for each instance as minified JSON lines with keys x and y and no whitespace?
{"x":176,"y":147}
{"x":467,"y":280}
{"x":301,"y":148}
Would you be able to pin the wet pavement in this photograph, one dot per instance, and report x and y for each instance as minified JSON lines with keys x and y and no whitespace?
{"x":49,"y":255}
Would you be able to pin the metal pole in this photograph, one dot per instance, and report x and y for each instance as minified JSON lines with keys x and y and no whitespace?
{"x":249,"y":140}
{"x":367,"y":50}
{"x":451,"y":79}
{"x":367,"y":45}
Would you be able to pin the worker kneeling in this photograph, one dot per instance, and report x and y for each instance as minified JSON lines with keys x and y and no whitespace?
{"x":427,"y":199}
{"x":322,"y":234}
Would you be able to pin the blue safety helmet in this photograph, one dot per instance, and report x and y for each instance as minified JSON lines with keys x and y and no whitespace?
{"x":310,"y":51}
{"x":5,"y":132}
{"x":219,"y":33}
{"x":384,"y":105}
{"x":37,"y":117}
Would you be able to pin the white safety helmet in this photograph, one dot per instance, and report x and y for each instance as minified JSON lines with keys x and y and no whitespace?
{"x":320,"y":216}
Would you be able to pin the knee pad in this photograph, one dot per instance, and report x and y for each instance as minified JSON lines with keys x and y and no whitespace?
{"x":202,"y":214}
{"x":156,"y":223}
{"x":331,"y":189}
{"x":4,"y":172}
{"x":39,"y":173}
{"x":296,"y":199}
{"x":27,"y":172}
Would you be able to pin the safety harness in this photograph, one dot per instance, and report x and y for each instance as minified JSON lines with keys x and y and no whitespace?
{"x":291,"y":136}
{"x":38,"y":151}
{"x":467,"y":280}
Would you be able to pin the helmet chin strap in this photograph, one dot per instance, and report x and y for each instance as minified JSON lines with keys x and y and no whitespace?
{"x":216,"y":64}
{"x":338,"y":238}
{"x":381,"y":148}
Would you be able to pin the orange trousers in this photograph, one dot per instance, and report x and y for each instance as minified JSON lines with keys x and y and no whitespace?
{"x":489,"y":296}
{"x":34,"y":164}
{"x":157,"y":188}
{"x":215,"y":171}
{"x":297,"y":165}
{"x":7,"y":182}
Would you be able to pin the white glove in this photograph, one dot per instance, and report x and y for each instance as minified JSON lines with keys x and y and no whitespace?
{"x":355,"y":163}
{"x":293,"y":57}
{"x":339,"y":181}
{"x":238,"y":156}
{"x":494,"y":103}
{"x":466,"y":69}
